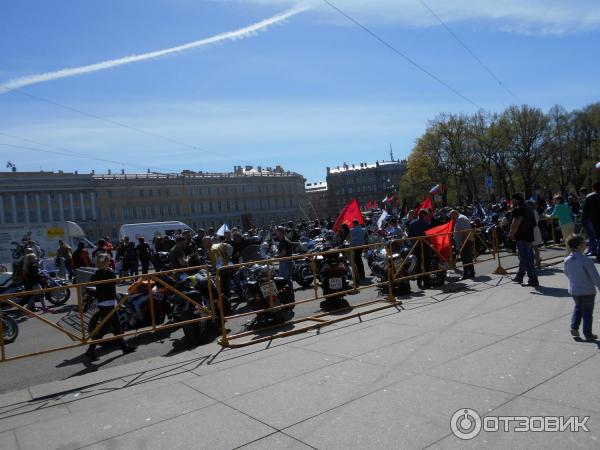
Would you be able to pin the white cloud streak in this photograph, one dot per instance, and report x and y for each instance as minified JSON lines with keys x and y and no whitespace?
{"x":529,"y":17}
{"x":227,"y":36}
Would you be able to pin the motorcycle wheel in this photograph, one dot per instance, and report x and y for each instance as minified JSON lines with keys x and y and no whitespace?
{"x":305,"y":277}
{"x":59,"y":297}
{"x":423,"y":282}
{"x":195,"y":332}
{"x":10,"y":329}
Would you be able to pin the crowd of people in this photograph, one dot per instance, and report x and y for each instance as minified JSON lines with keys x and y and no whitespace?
{"x":528,"y":224}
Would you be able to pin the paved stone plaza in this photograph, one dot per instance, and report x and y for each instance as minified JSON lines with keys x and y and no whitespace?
{"x":392,"y":380}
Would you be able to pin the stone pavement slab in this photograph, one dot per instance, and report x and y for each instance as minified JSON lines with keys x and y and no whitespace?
{"x":579,"y":387}
{"x":409,"y":414}
{"x":300,"y":398}
{"x":240,"y":380}
{"x":276,"y":441}
{"x":513,"y":365}
{"x":215,"y":427}
{"x":103,"y":420}
{"x":390,"y":381}
{"x":429,"y":349}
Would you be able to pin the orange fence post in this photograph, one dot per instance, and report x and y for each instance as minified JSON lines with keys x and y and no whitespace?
{"x":151,"y":303}
{"x":224,"y":341}
{"x":2,"y":354}
{"x":80,"y":307}
{"x":391,"y":274}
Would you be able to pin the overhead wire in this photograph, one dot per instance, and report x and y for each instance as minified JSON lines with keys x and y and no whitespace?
{"x":475,"y":57}
{"x":123,"y":125}
{"x":68,"y":152}
{"x":401,"y":54}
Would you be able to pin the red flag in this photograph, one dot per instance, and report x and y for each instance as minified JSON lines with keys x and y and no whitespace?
{"x":375,"y":204}
{"x":443,"y":243}
{"x":425,"y":204}
{"x":350,"y":212}
{"x":368,"y":205}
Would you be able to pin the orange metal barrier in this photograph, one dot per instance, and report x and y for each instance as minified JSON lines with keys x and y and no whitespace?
{"x":321,"y":319}
{"x":86,"y":337}
{"x":216,"y":311}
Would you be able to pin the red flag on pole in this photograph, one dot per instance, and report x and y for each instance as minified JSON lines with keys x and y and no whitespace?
{"x":442,"y":243}
{"x":425,"y":204}
{"x":350,"y":212}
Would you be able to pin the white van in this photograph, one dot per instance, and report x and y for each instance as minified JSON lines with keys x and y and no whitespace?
{"x":151,"y":229}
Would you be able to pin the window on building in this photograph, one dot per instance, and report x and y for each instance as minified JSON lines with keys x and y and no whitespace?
{"x":141,"y":193}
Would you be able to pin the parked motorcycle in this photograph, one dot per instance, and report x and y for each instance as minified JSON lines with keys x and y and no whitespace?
{"x":10,"y":328}
{"x":303,"y":274}
{"x":438,"y":277}
{"x":404,"y":263}
{"x":333,"y":276}
{"x":264,"y":290}
{"x":59,"y":296}
{"x":198,"y":288}
{"x":129,"y":317}
{"x":47,"y":279}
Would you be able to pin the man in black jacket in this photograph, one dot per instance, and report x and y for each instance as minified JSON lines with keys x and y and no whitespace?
{"x":590,"y":219}
{"x":521,"y":231}
{"x":106,"y":296}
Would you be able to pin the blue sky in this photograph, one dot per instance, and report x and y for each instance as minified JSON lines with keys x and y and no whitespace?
{"x":310,"y":92}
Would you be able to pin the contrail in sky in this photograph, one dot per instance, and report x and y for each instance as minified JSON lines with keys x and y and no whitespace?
{"x":73,"y":71}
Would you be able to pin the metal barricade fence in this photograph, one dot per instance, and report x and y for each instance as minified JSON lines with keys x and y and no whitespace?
{"x":85,"y":336}
{"x":218,"y":313}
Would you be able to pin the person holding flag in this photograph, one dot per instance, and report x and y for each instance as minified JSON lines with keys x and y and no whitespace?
{"x":463,"y":242}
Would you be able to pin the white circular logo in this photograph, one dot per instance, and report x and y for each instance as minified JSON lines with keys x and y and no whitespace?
{"x":465,"y":423}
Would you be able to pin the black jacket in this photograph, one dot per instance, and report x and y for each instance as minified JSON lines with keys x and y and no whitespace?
{"x":107,"y":291}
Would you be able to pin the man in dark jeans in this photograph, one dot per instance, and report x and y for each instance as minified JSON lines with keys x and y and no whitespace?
{"x":590,"y":219}
{"x":521,"y":231}
{"x":106,"y":296}
{"x":144,"y":254}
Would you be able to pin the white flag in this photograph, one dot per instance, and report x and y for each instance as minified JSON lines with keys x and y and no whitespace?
{"x":224,"y":228}
{"x":382,"y":218}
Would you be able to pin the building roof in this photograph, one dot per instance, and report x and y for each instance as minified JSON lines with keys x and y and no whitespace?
{"x":364,"y":166}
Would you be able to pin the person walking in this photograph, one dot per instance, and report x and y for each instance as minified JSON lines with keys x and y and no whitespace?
{"x":143,"y":253}
{"x":81,"y":257}
{"x":521,"y":231}
{"x":583,"y":281}
{"x":463,"y":242}
{"x":562,"y":212}
{"x":64,"y":254}
{"x":284,"y":247}
{"x":130,"y":262}
{"x":106,"y":295}
{"x":32,"y":280}
{"x":590,"y":219}
{"x":358,"y":237}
